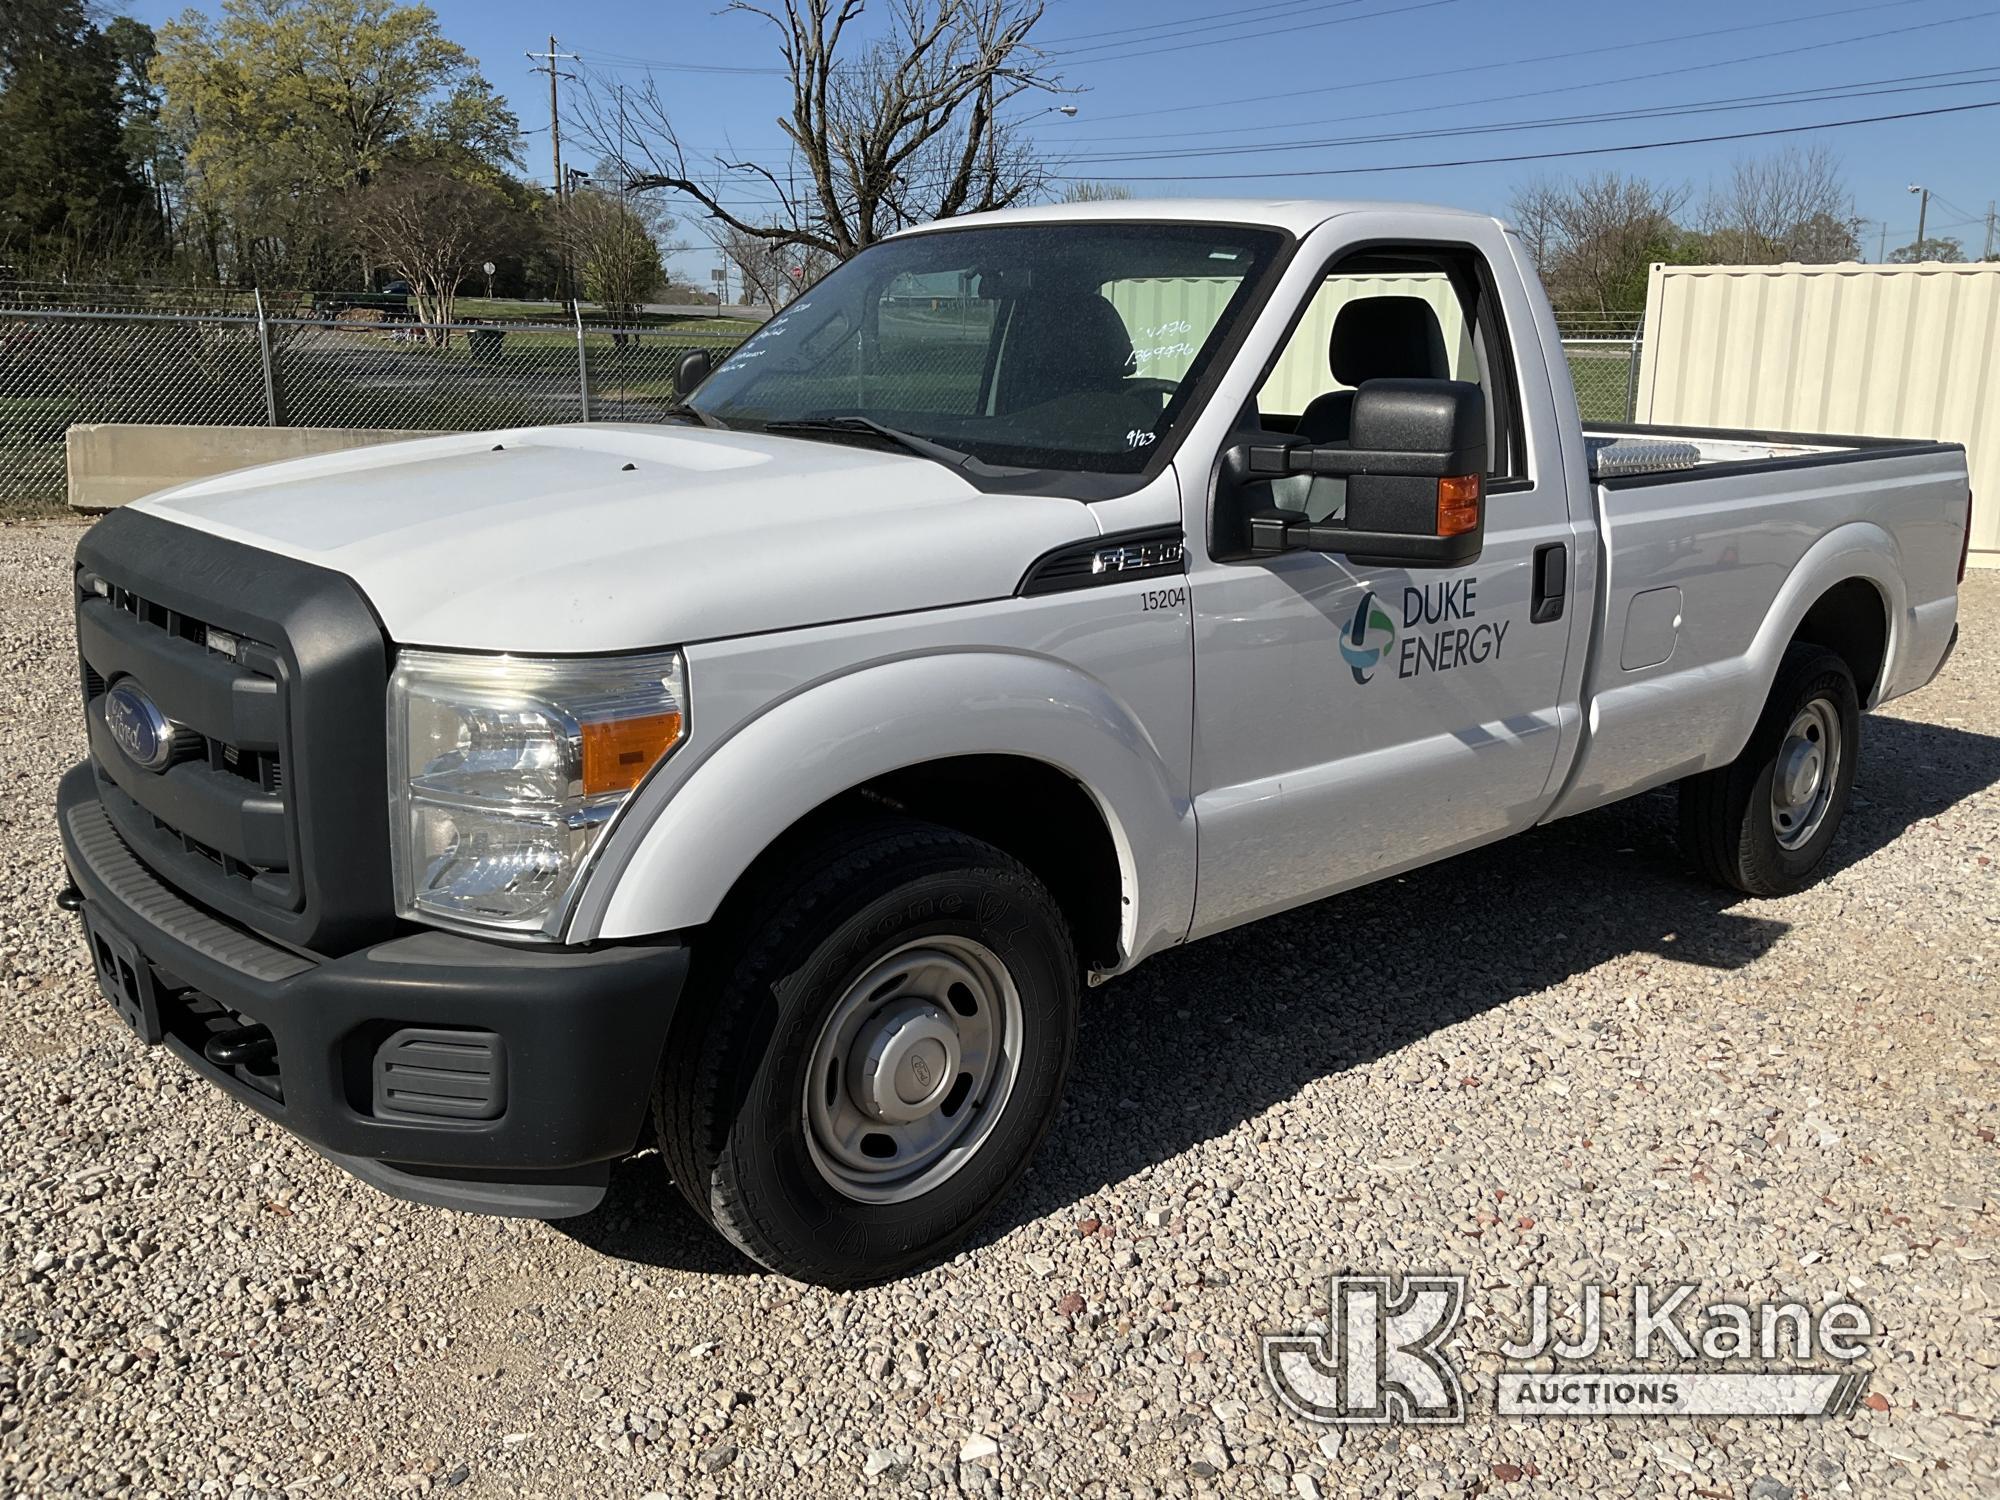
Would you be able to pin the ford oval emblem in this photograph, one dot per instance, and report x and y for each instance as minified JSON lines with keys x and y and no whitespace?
{"x":138,"y":727}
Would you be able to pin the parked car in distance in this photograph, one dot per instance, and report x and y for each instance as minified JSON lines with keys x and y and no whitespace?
{"x":389,"y":305}
{"x":1039,"y":592}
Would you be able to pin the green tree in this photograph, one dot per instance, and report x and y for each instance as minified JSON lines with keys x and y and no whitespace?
{"x":288,"y":106}
{"x":614,"y":250}
{"x":1945,"y":249}
{"x":148,"y":146}
{"x":68,"y":194}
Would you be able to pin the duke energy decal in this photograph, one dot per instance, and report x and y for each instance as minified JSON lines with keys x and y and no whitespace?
{"x":1440,"y":631}
{"x":1368,"y":638}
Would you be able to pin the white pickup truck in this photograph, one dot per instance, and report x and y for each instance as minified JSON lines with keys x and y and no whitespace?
{"x":1039,"y":591}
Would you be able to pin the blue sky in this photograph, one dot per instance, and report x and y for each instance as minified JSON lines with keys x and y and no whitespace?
{"x":1160,"y":80}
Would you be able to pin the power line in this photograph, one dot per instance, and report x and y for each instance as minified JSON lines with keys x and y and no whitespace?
{"x":1865,"y":89}
{"x":1487,"y":161}
{"x":1242,"y":12}
{"x":1649,"y":76}
{"x":1517,"y":62}
{"x":622,"y":60}
{"x":1251,"y":36}
{"x":1179,"y":30}
{"x":1957,"y":208}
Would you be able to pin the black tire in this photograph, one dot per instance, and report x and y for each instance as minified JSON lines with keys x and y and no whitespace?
{"x":1727,"y":825}
{"x":730,"y":1103}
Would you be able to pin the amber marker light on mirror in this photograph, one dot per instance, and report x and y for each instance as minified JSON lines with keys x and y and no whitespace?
{"x":1458,"y":504}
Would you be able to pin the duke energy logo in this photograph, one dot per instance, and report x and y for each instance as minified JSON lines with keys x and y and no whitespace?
{"x":1368,"y":638}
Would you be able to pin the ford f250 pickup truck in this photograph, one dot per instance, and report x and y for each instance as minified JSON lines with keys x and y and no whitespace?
{"x":1039,"y":591}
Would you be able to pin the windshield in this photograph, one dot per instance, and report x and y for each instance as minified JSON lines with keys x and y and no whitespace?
{"x":1048,"y":346}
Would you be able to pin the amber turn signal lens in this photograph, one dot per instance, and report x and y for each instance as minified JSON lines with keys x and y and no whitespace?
{"x":1458,"y":504}
{"x":618,"y":753}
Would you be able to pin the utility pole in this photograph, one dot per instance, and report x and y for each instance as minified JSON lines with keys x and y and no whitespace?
{"x":549,"y":59}
{"x":624,"y":171}
{"x":1923,"y":212}
{"x":1987,"y":253}
{"x":1882,"y":245}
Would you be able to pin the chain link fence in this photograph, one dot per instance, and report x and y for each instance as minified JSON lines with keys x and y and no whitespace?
{"x":1603,"y":350}
{"x":356,"y":368}
{"x":1605,"y":372}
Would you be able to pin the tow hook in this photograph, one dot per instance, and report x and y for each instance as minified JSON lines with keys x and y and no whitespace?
{"x":243,"y":1047}
{"x":69,"y":898}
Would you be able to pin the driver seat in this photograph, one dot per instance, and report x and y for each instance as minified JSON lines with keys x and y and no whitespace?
{"x":1062,"y":345}
{"x":1375,"y":338}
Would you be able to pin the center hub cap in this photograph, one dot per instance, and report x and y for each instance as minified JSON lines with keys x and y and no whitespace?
{"x":1801,"y":771}
{"x":905,"y":1062}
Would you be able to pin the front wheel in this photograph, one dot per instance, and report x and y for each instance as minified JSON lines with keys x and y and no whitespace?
{"x":877,"y":1055}
{"x":1763,"y":823}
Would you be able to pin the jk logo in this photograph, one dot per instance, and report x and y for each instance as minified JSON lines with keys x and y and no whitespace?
{"x":1382,"y":1357}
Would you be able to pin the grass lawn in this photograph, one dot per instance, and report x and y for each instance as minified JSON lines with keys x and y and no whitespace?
{"x":478,"y":309}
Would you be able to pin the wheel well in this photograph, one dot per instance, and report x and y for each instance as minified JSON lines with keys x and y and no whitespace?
{"x":1028,"y":808}
{"x":1852,"y":621}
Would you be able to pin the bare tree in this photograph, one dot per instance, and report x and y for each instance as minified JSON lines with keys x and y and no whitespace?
{"x":1096,"y":192}
{"x":773,"y":272}
{"x":433,"y":230}
{"x":1593,"y":239}
{"x":901,"y":131}
{"x":1791,"y":205}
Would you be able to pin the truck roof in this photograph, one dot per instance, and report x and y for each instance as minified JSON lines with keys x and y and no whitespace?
{"x":1298,"y":215}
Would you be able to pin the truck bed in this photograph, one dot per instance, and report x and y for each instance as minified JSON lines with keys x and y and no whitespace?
{"x":1707,"y":568}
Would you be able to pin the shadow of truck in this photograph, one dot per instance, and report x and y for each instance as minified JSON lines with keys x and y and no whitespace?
{"x":1199,"y":1040}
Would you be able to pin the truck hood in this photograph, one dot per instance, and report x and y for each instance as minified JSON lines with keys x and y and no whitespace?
{"x":606,"y":537}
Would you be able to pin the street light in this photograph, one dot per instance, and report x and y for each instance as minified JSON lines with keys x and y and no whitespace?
{"x":1923,"y":209}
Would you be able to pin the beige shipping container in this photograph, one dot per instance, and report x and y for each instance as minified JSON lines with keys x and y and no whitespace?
{"x":1874,"y":351}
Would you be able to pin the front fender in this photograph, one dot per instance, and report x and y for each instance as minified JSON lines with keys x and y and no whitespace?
{"x":682,"y":845}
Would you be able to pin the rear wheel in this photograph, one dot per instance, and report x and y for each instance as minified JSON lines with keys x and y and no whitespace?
{"x":872,"y":1059}
{"x":1763,"y":823}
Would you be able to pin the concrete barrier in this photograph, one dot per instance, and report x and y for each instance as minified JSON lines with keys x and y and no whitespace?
{"x":113,"y":462}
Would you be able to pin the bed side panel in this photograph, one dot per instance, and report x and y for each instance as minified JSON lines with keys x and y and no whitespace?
{"x":1750,"y":549}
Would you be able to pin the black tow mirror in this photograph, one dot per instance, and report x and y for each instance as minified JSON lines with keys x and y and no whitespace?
{"x":1415,"y":468}
{"x":692,"y":371}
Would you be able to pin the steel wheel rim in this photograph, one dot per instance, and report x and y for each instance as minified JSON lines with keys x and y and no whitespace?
{"x":1805,"y":774}
{"x":912,"y":1069}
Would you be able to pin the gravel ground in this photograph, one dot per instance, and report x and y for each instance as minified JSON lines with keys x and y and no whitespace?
{"x":1560,"y":1059}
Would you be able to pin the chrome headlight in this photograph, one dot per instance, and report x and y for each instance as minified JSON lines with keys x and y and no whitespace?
{"x":504,"y":772}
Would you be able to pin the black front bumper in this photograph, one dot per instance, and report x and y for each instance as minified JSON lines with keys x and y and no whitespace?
{"x":563,"y":1044}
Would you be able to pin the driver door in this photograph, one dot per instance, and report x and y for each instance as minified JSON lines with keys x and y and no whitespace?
{"x":1353,"y":720}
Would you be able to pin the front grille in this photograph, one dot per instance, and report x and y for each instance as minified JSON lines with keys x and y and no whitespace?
{"x":259,"y":766}
{"x":230,"y":771}
{"x":273,"y":812}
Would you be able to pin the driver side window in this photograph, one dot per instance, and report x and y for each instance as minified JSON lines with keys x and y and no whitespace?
{"x":1418,"y":310}
{"x":1415,"y":313}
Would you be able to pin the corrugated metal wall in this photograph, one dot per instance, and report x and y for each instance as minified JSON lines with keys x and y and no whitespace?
{"x":1877,"y":351}
{"x":1155,"y":309}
